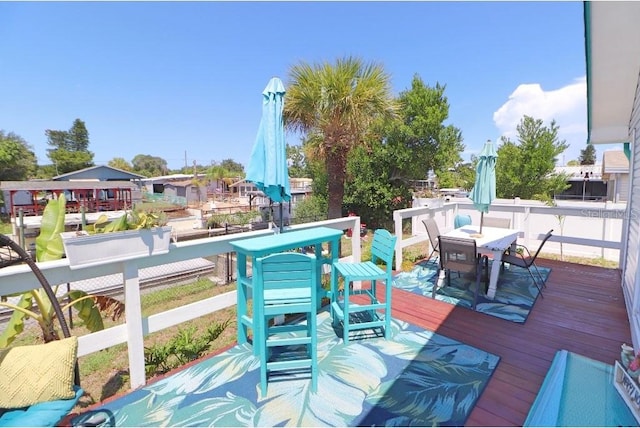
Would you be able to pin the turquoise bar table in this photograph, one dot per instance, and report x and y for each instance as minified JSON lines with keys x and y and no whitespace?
{"x":269,"y":244}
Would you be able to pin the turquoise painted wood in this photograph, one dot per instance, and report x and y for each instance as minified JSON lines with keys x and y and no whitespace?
{"x":379,"y":313}
{"x":261,"y":246}
{"x":288,"y":282}
{"x":461,"y":220}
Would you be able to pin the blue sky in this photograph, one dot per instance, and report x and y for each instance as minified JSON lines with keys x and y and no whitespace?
{"x":183,"y":81}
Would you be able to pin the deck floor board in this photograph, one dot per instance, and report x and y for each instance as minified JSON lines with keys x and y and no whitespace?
{"x":582,"y":311}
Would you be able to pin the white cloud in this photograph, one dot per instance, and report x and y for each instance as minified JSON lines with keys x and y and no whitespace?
{"x":567,"y":106}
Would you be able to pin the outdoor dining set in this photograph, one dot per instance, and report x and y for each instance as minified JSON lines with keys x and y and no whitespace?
{"x":284,"y":280}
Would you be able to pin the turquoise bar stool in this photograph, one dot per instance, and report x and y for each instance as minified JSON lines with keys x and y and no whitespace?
{"x":461,"y":220}
{"x":286,"y":285}
{"x":377,"y":314}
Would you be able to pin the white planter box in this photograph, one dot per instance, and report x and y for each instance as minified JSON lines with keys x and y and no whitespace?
{"x":87,"y":250}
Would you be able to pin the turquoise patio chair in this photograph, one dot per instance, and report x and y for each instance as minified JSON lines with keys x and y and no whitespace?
{"x":355,"y":316}
{"x":461,"y":220}
{"x":286,"y":285}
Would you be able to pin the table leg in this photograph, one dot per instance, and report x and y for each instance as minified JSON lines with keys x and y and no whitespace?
{"x":495,"y":271}
{"x":319,"y":291}
{"x":241,"y":310}
{"x":255,"y":288}
{"x":333,"y":294}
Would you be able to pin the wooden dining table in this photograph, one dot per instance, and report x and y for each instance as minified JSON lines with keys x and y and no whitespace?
{"x":493,"y":241}
{"x":251,"y":248}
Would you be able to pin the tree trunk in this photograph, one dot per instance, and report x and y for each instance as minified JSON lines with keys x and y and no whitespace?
{"x":336,"y":170}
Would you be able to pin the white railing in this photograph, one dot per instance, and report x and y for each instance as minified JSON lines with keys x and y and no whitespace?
{"x":17,"y":279}
{"x":591,"y":230}
{"x":602,"y":229}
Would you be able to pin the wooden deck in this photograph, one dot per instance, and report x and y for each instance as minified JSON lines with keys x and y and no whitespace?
{"x":582,"y":311}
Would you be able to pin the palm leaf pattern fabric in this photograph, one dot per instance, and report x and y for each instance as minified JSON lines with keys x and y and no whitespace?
{"x":417,"y":378}
{"x":515,"y":296}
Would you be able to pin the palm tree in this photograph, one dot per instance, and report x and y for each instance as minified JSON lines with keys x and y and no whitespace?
{"x":335,"y":105}
{"x":217,"y":173}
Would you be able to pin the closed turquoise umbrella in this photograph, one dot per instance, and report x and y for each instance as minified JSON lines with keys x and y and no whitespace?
{"x":267,"y":167}
{"x":484,"y":189}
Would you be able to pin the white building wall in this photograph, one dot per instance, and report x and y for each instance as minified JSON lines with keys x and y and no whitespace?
{"x":630,"y":275}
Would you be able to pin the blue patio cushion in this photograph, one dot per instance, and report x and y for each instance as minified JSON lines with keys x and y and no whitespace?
{"x":48,"y":413}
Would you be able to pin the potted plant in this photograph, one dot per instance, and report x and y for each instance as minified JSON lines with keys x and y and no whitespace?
{"x":90,"y":308}
{"x":133,"y":235}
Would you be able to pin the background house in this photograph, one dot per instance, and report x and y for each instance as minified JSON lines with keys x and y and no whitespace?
{"x":99,"y":173}
{"x":585,"y":183}
{"x":615,"y":172}
{"x":188,"y":192}
{"x":98,"y":188}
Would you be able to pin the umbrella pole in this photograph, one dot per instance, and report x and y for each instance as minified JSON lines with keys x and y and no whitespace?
{"x":481,"y":218}
{"x":281,"y":209}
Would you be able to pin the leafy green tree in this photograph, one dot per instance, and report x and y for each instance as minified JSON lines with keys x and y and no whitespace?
{"x":587,"y":155}
{"x":220,"y":175}
{"x":335,"y":105}
{"x":526,"y":169}
{"x":373,"y":190}
{"x":70,"y":150}
{"x":573,"y":163}
{"x":317,"y":171}
{"x":120,"y":163}
{"x":46,"y":172}
{"x":401,"y":149}
{"x":462,"y":176}
{"x":192,"y":169}
{"x":17,"y":159}
{"x":149,"y":166}
{"x":420,"y":139}
{"x":297,"y":163}
{"x":233,"y":167}
{"x":312,"y":208}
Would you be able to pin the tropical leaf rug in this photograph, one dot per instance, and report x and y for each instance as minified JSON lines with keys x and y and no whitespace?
{"x":516,"y":293}
{"x":417,"y":378}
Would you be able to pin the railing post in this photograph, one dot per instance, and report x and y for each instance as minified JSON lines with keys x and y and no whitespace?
{"x":397,"y":220}
{"x":516,"y":219}
{"x":133,"y":313}
{"x":356,"y":241}
{"x":21,"y":229}
{"x":605,"y":224}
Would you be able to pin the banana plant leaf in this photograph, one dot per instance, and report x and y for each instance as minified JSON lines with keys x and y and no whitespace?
{"x":15,"y":325}
{"x":49,"y":243}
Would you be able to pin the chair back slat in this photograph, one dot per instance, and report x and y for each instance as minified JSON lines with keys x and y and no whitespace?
{"x":504,"y":223}
{"x":383,"y":247}
{"x":545,"y":239}
{"x":287,"y":276}
{"x":458,"y":254}
{"x":432,"y":231}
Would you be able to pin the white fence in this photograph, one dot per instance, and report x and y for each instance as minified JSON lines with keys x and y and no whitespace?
{"x":17,"y":279}
{"x":592,"y":230}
